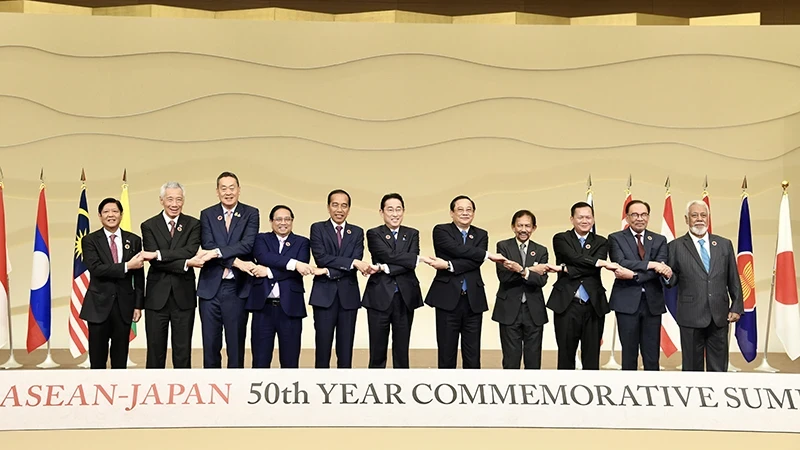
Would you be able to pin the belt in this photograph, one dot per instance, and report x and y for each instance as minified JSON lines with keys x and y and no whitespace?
{"x":273,"y":301}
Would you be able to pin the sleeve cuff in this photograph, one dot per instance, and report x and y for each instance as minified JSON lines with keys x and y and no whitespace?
{"x":291,"y":265}
{"x":158,"y":255}
{"x":385,"y":268}
{"x":486,"y":256}
{"x":450,"y":266}
{"x":126,"y":268}
{"x":186,"y":266}
{"x":219,"y":253}
{"x":269,"y":273}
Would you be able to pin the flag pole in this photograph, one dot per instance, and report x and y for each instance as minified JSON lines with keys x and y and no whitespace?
{"x":578,"y":363}
{"x":11,"y":363}
{"x":612,"y":363}
{"x":130,"y":363}
{"x":731,"y":325}
{"x":765,"y":366}
{"x":86,"y":364}
{"x":48,"y":362}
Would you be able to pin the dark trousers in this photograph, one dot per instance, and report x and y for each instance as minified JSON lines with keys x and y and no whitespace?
{"x":522,"y":339}
{"x":330,"y":321}
{"x":640,"y":330}
{"x":271,"y":321}
{"x":704,"y":348}
{"x":224,"y":311}
{"x":180,"y":322}
{"x":115,"y":330}
{"x":578,"y":323}
{"x":463,"y":322}
{"x":399,"y":318}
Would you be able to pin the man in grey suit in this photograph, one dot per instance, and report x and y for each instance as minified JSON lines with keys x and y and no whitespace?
{"x":519,"y":307}
{"x":709,"y":291}
{"x":638,"y":294}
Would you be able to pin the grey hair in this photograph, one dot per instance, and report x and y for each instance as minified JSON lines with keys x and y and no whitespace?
{"x":696,"y":202}
{"x":172,"y":185}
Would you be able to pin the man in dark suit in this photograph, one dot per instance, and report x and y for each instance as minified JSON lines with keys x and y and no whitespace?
{"x":392,"y":292}
{"x":228,"y":231}
{"x":578,"y":299}
{"x":170,"y":297}
{"x":115,"y":296}
{"x":338,"y":249}
{"x":276,"y":297}
{"x":457,"y":290}
{"x":638,"y":294}
{"x":709,"y":292}
{"x":519,"y":306}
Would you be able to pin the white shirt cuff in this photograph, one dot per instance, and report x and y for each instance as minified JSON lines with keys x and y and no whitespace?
{"x":269,"y":273}
{"x":450,"y":266}
{"x":219,"y":253}
{"x":126,"y":267}
{"x":291,"y":265}
{"x":158,"y":255}
{"x":385,"y":268}
{"x":485,"y":257}
{"x":186,"y":266}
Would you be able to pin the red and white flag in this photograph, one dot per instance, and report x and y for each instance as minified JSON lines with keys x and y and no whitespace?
{"x":787,"y":310}
{"x":5,"y":268}
{"x":670,"y":332}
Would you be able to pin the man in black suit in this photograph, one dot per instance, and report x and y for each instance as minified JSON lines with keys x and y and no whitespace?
{"x":115,"y":296}
{"x":519,"y":307}
{"x":338,"y":250}
{"x":709,"y":292}
{"x":276,"y":298}
{"x":170,"y":296}
{"x":457,"y":290}
{"x":638,"y":294}
{"x":392,"y":292}
{"x":578,"y":299}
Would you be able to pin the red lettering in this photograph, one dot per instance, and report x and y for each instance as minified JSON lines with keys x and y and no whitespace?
{"x":100,"y":390}
{"x":79,"y":395}
{"x":225,"y":396}
{"x":152,"y":392}
{"x":172,"y":392}
{"x":53,"y":395}
{"x":194,"y":392}
{"x":35,"y":395}
{"x":11,"y":395}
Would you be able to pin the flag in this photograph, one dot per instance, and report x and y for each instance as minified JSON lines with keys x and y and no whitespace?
{"x":5,"y":268}
{"x":590,"y":201}
{"x":624,"y":206}
{"x":125,"y":224}
{"x":78,"y":330}
{"x":746,"y":327}
{"x":40,"y":299}
{"x":670,"y":332}
{"x":707,"y":201}
{"x":787,"y":311}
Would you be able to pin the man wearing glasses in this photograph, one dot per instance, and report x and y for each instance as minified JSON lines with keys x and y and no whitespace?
{"x":638,"y":294}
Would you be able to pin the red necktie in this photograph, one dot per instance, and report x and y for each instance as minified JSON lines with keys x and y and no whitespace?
{"x":339,"y":235}
{"x":171,"y":228}
{"x":640,"y":246}
{"x":113,"y":245}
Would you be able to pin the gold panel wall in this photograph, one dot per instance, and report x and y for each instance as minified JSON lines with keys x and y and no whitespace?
{"x":516,"y":117}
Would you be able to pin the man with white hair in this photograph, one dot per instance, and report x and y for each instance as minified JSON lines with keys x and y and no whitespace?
{"x":709,"y":291}
{"x":170,"y":295}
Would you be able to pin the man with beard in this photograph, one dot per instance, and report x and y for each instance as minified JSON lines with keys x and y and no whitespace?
{"x":709,"y":292}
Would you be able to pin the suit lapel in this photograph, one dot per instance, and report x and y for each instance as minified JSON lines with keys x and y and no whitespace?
{"x":102,"y":242}
{"x":513,"y":249}
{"x":126,"y":245}
{"x":236,"y":220}
{"x":286,"y":245}
{"x":219,"y":222}
{"x":163,"y":229}
{"x":648,"y":244}
{"x":689,"y":244}
{"x":387,"y":236}
{"x":631,"y":241}
{"x":713,"y":252}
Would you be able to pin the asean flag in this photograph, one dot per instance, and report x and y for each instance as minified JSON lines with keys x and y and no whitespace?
{"x":787,"y":311}
{"x":746,"y":331}
{"x":40,"y":299}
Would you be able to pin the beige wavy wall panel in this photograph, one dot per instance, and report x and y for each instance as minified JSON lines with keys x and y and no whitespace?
{"x":516,"y":117}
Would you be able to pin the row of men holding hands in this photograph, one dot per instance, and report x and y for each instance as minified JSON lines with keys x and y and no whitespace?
{"x":250,"y":276}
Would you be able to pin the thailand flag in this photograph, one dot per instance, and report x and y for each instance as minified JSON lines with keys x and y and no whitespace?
{"x":670,"y":332}
{"x":39,"y":312}
{"x":746,"y":334}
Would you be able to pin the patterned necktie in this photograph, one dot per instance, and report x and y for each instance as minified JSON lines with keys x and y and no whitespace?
{"x":339,"y":235}
{"x":464,"y":280}
{"x":113,"y":245}
{"x":704,"y":255}
{"x":640,"y":246}
{"x":171,"y":228}
{"x":581,"y":290}
{"x":226,"y":272}
{"x":394,"y":242}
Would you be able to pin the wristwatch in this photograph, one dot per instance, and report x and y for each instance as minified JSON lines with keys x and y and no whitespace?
{"x":563,"y":266}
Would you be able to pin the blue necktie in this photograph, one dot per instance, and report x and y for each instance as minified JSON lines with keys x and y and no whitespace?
{"x":704,"y":254}
{"x":394,"y":235}
{"x":464,"y":281}
{"x":581,"y":290}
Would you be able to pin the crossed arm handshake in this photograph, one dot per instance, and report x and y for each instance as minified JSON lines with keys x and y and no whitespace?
{"x":626,"y":274}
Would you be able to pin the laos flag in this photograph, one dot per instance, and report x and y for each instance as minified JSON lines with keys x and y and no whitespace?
{"x":39,"y":311}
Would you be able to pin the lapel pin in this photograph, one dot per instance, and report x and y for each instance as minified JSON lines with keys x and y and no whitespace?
{"x":714,"y":243}
{"x":587,"y":246}
{"x":127,"y":246}
{"x":219,"y":217}
{"x":349,"y":231}
{"x":236,"y":214}
{"x":649,"y":238}
{"x":180,"y":228}
{"x":288,"y":244}
{"x":471,"y":236}
{"x":388,"y":237}
{"x":533,"y":253}
{"x":404,"y":237}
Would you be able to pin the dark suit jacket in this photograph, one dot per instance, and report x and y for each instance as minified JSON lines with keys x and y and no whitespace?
{"x":167,"y":275}
{"x":466,"y":259}
{"x":401,"y":257}
{"x":705,"y":296}
{"x":581,"y":268}
{"x":512,"y":285}
{"x":108,"y":282}
{"x":290,"y":282}
{"x":238,"y":243}
{"x":327,"y":254}
{"x":626,"y":294}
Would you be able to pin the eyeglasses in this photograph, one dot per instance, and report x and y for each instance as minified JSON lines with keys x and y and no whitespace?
{"x":393,"y":210}
{"x":283,"y":219}
{"x":638,"y":216}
